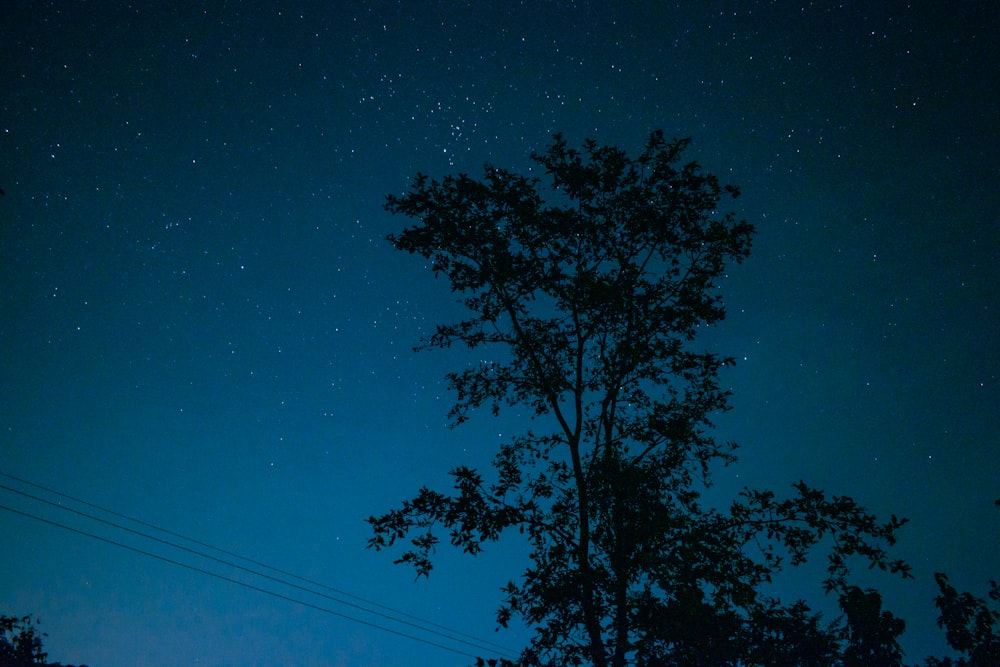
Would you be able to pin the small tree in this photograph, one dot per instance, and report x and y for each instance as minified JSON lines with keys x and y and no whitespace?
{"x":871,"y":633}
{"x":971,"y":626}
{"x":20,"y":643}
{"x":591,"y":301}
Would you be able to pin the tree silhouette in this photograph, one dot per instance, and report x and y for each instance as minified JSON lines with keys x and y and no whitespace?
{"x":970,"y":625}
{"x":871,"y":632}
{"x":589,"y":302}
{"x":20,"y":643}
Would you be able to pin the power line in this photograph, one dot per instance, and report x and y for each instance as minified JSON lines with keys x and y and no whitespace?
{"x":450,"y":633}
{"x":422,"y":628}
{"x":240,"y":567}
{"x":244,"y":559}
{"x":420,"y":624}
{"x":236,"y":581}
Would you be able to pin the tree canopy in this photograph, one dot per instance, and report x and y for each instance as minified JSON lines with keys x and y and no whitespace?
{"x":586,"y":296}
{"x":20,"y":642}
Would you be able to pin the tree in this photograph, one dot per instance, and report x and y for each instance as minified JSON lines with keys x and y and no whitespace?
{"x":970,"y":625}
{"x":590,"y":303}
{"x":20,"y":644}
{"x":871,"y":632}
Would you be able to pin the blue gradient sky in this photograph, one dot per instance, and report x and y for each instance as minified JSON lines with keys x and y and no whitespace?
{"x":203,"y":327}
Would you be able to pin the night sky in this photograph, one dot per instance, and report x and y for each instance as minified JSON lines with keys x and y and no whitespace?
{"x":203,"y":326}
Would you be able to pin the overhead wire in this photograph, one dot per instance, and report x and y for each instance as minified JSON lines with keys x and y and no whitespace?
{"x":450,"y":634}
{"x":286,"y":573}
{"x":234,"y":581}
{"x":396,"y":616}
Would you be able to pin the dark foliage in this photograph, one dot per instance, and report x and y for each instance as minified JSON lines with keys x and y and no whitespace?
{"x":971,"y":627}
{"x":20,"y":642}
{"x":590,"y":301}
